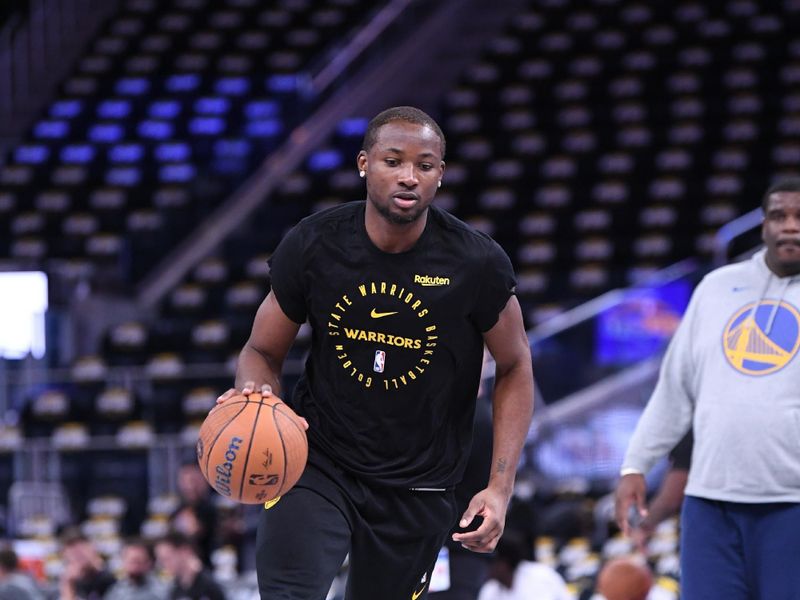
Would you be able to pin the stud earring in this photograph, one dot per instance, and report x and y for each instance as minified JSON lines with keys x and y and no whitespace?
{"x":439,"y":184}
{"x":362,"y":174}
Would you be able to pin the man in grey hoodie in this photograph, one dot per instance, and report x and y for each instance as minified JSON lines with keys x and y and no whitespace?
{"x":732,"y":374}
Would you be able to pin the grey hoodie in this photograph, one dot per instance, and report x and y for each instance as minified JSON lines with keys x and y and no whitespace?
{"x":732,"y":373}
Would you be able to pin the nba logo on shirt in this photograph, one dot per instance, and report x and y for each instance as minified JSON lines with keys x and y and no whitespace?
{"x":380,"y":361}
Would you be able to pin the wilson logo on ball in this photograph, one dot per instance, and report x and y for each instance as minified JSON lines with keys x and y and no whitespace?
{"x":223,"y":471}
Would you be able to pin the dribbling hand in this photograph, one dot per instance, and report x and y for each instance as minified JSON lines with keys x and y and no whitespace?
{"x":248,"y":388}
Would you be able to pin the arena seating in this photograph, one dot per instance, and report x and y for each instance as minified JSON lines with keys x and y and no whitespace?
{"x":171,"y":107}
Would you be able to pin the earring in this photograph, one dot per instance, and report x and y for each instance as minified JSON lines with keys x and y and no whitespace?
{"x":439,"y":184}
{"x":362,"y":173}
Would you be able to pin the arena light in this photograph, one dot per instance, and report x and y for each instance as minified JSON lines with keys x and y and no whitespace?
{"x":23,"y":305}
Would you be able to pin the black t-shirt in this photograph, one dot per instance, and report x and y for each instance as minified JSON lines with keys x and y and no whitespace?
{"x":390,"y":383}
{"x":94,"y":585}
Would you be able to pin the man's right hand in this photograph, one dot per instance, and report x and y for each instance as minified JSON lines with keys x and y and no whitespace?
{"x":631,"y":492}
{"x":248,"y":388}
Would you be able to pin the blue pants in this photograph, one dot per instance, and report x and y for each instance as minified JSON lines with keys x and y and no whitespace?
{"x":736,"y":551}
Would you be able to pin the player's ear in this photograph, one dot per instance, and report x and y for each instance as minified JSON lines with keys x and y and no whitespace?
{"x":361,"y":161}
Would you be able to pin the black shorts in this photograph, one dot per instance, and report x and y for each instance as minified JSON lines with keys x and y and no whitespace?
{"x":392,"y":536}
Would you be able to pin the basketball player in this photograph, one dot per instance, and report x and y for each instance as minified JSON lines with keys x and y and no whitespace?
{"x":732,"y":373}
{"x":401,"y":298}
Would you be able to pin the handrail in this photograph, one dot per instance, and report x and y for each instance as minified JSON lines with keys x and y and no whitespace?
{"x":130,"y":374}
{"x":594,"y":307}
{"x":358,"y":45}
{"x":597,"y":394}
{"x":733,"y":229}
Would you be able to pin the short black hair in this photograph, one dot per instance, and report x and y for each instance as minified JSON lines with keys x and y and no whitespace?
{"x":409,"y":114}
{"x":177,"y":539}
{"x":512,"y":549}
{"x":9,"y":560}
{"x":139,"y":542}
{"x":786,"y":184}
{"x":72,"y":536}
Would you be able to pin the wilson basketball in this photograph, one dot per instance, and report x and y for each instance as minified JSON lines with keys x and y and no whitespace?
{"x":252,"y":449}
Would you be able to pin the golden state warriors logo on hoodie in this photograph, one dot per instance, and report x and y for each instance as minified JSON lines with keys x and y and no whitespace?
{"x":762,"y":337}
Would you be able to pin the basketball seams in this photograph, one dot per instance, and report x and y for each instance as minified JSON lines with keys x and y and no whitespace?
{"x":291,"y":418}
{"x":249,"y":447}
{"x":221,"y":431}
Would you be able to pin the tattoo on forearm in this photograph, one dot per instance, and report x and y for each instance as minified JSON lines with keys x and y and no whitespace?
{"x":501,"y":465}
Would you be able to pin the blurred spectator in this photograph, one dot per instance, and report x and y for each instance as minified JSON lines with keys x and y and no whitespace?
{"x":624,"y":578}
{"x":196,"y":516}
{"x":14,"y":583}
{"x":138,"y":581}
{"x":514,"y":576}
{"x":190,"y":581}
{"x":85,"y":576}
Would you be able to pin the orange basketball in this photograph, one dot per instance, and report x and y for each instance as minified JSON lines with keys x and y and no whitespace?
{"x":252,"y":449}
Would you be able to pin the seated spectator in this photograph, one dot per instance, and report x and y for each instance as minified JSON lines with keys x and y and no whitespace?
{"x":15,"y":584}
{"x":85,"y":576}
{"x":514,"y":576}
{"x":138,"y":581}
{"x":624,"y":578}
{"x":196,"y":516}
{"x":190,"y":581}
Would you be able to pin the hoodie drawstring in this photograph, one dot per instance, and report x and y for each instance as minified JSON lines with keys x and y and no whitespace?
{"x":777,"y":304}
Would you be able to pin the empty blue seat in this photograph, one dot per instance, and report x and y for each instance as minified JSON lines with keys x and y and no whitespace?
{"x":66,"y":109}
{"x":158,"y":130}
{"x":181,"y":172}
{"x":132,"y":86}
{"x":31,"y":154}
{"x":106,"y":132}
{"x":172,"y":152}
{"x":126,"y":153}
{"x":184,"y":82}
{"x":51,"y":129}
{"x":206,"y":126}
{"x":123,"y":176}
{"x":232,"y":86}
{"x":114,"y":109}
{"x":164,"y":109}
{"x":77,"y":153}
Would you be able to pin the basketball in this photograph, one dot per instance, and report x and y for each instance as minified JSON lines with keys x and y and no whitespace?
{"x":624,"y":578}
{"x":252,"y":449}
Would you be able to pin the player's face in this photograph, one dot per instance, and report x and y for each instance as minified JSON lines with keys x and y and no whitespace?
{"x":403,"y":169}
{"x":781,"y":233}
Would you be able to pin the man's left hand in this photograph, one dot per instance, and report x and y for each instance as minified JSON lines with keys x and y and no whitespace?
{"x":491,"y":505}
